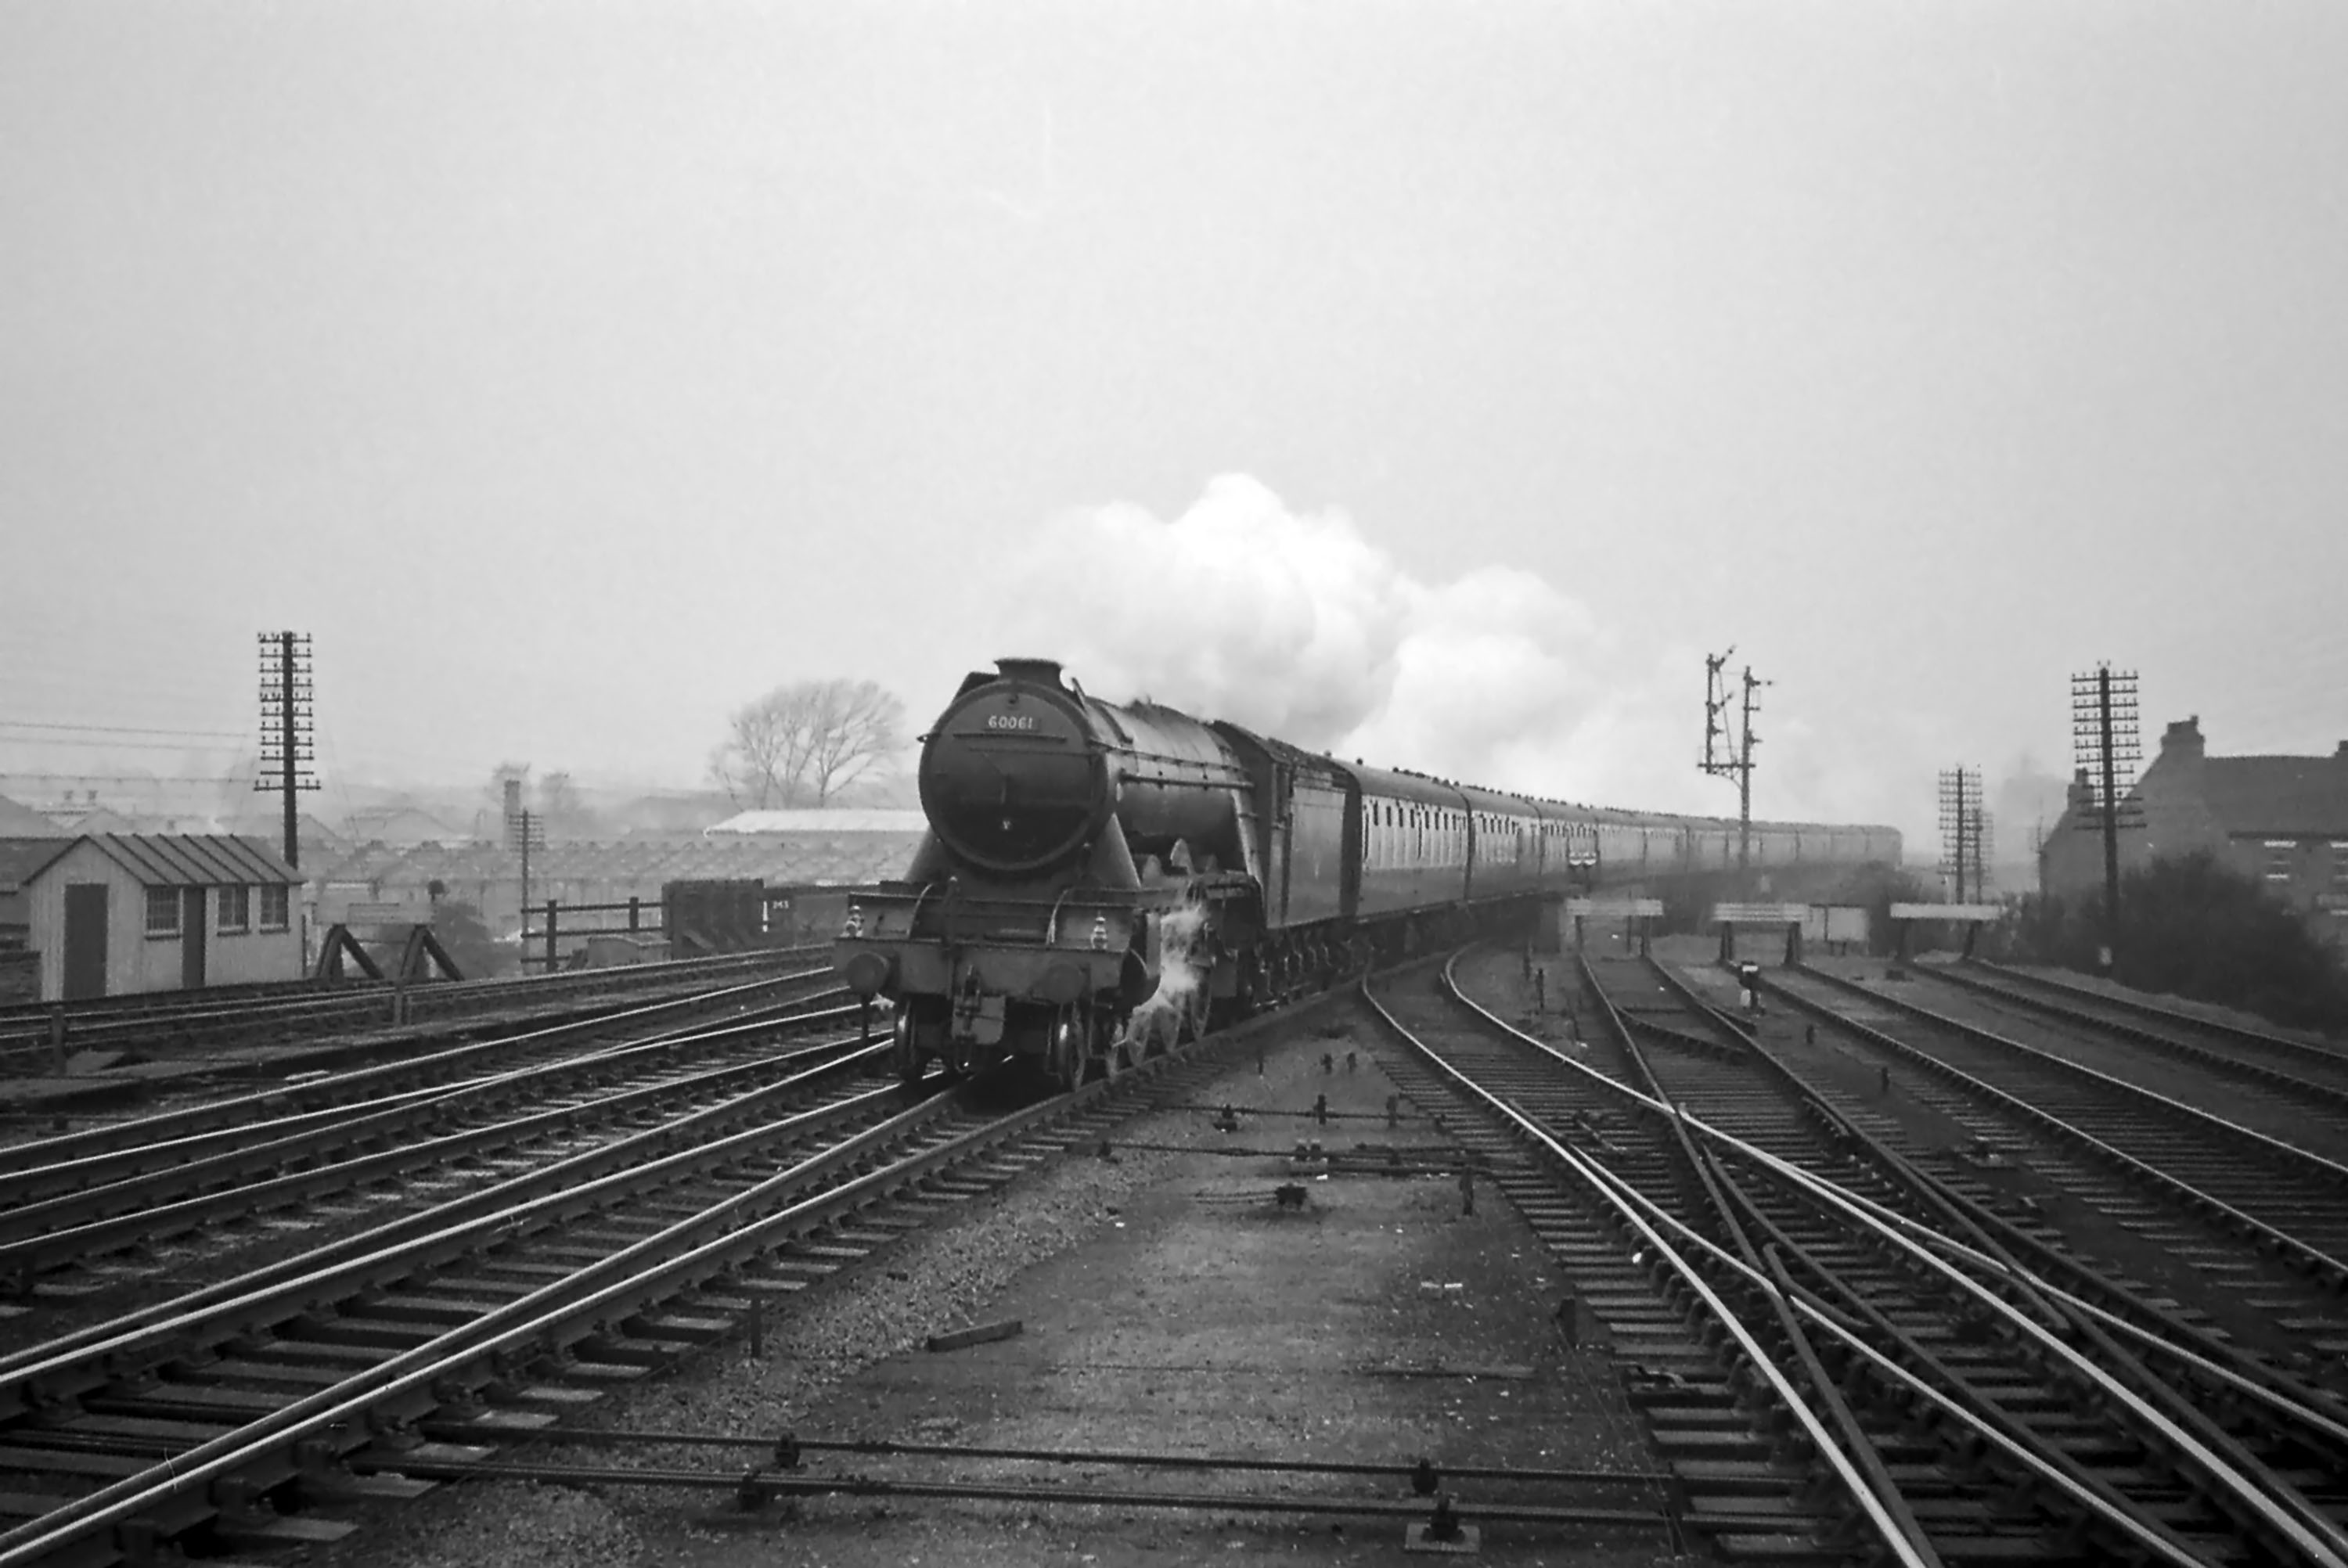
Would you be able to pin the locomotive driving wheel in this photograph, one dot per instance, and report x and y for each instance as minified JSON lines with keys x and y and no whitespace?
{"x":905,"y":1051}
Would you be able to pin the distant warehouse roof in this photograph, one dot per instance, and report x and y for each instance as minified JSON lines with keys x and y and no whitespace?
{"x":820,"y":822}
{"x":23,"y":822}
{"x":168,"y":859}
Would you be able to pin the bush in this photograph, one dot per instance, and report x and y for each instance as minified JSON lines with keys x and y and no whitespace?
{"x":2191,"y":927}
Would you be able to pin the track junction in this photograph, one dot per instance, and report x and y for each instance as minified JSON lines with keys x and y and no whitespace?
{"x":1961,"y":1266}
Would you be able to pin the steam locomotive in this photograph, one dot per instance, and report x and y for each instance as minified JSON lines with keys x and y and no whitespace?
{"x":1098,"y":877}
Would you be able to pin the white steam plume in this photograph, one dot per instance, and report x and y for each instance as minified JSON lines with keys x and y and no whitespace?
{"x":1179,"y":975}
{"x":1295,"y":625}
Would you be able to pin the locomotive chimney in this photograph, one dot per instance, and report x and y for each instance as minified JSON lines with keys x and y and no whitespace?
{"x":1043,"y":672}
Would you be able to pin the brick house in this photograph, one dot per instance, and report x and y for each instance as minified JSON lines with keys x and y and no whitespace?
{"x":2281,"y":821}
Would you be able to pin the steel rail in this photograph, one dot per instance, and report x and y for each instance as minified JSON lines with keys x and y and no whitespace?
{"x":2260,"y":1477}
{"x":2284,"y":1521}
{"x":1991,"y":1237}
{"x":240,"y":1111}
{"x":2145,"y":1007}
{"x":116,"y":1164}
{"x":2051,"y":1467}
{"x":43,"y":1372}
{"x":2319,"y":1538}
{"x":25,"y":1025}
{"x":2310,"y":1258}
{"x":2330,"y":1170}
{"x":2291,"y":1404}
{"x":90,"y":1183}
{"x":560,"y":1304}
{"x":2258,"y":1073}
{"x":41,"y":1239}
{"x":1854,"y":1485}
{"x":1717,"y":1187}
{"x":559,"y":1313}
{"x":251,"y":1035}
{"x":2220,"y":1362}
{"x":2149,"y":1534}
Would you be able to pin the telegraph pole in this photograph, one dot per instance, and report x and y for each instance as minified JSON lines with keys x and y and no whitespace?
{"x":524,"y":830}
{"x":287,"y":709}
{"x":1964,"y":831}
{"x":1720,"y":759}
{"x":2105,"y":748}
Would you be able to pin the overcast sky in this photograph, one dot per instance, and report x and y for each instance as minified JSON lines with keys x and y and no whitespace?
{"x":574,"y":372}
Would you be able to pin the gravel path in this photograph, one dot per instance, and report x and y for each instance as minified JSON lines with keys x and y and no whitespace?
{"x":925,"y":1285}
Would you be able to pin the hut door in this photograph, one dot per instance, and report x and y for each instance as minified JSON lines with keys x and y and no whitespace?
{"x":192,"y":932}
{"x":85,"y":940}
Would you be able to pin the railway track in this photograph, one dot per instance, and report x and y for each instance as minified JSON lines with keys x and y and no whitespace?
{"x":242,"y":1413}
{"x":254,"y":1028}
{"x":2319,"y":1059}
{"x":164,"y":1137}
{"x":2288,"y":1200}
{"x":2296,"y":1092}
{"x":69,"y":1223}
{"x":1891,"y":1380}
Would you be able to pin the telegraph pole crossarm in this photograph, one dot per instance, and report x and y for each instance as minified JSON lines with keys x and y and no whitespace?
{"x":1723,"y":760}
{"x":2105,"y":748}
{"x":287,"y":716}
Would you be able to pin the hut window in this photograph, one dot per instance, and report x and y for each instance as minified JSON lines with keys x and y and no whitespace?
{"x":162,"y":911}
{"x":235,"y":908}
{"x":274,"y":909}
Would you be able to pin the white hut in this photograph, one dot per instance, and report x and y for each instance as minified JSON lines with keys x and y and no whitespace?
{"x":111,"y":914}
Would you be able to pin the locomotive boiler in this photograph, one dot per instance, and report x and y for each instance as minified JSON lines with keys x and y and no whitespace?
{"x":1083,"y":858}
{"x":1098,"y":877}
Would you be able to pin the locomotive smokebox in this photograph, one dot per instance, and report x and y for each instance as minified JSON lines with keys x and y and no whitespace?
{"x":1012,"y":776}
{"x":1022,"y":771}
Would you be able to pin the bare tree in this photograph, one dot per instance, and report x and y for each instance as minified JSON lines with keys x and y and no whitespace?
{"x":804,"y":744}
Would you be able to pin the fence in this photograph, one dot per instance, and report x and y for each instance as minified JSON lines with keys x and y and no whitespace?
{"x":554,"y":934}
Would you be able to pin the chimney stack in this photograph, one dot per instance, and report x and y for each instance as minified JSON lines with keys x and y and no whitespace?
{"x":2183,"y":737}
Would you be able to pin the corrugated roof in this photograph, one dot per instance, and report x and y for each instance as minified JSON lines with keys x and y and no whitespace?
{"x":191,"y":860}
{"x":19,"y":821}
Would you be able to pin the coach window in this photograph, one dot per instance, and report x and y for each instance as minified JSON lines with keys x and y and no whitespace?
{"x":276,"y":908}
{"x":2278,"y":859}
{"x":162,"y":911}
{"x":2339,"y":866}
{"x":235,"y":909}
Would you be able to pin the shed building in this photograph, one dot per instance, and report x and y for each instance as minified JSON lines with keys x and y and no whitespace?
{"x":111,"y":914}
